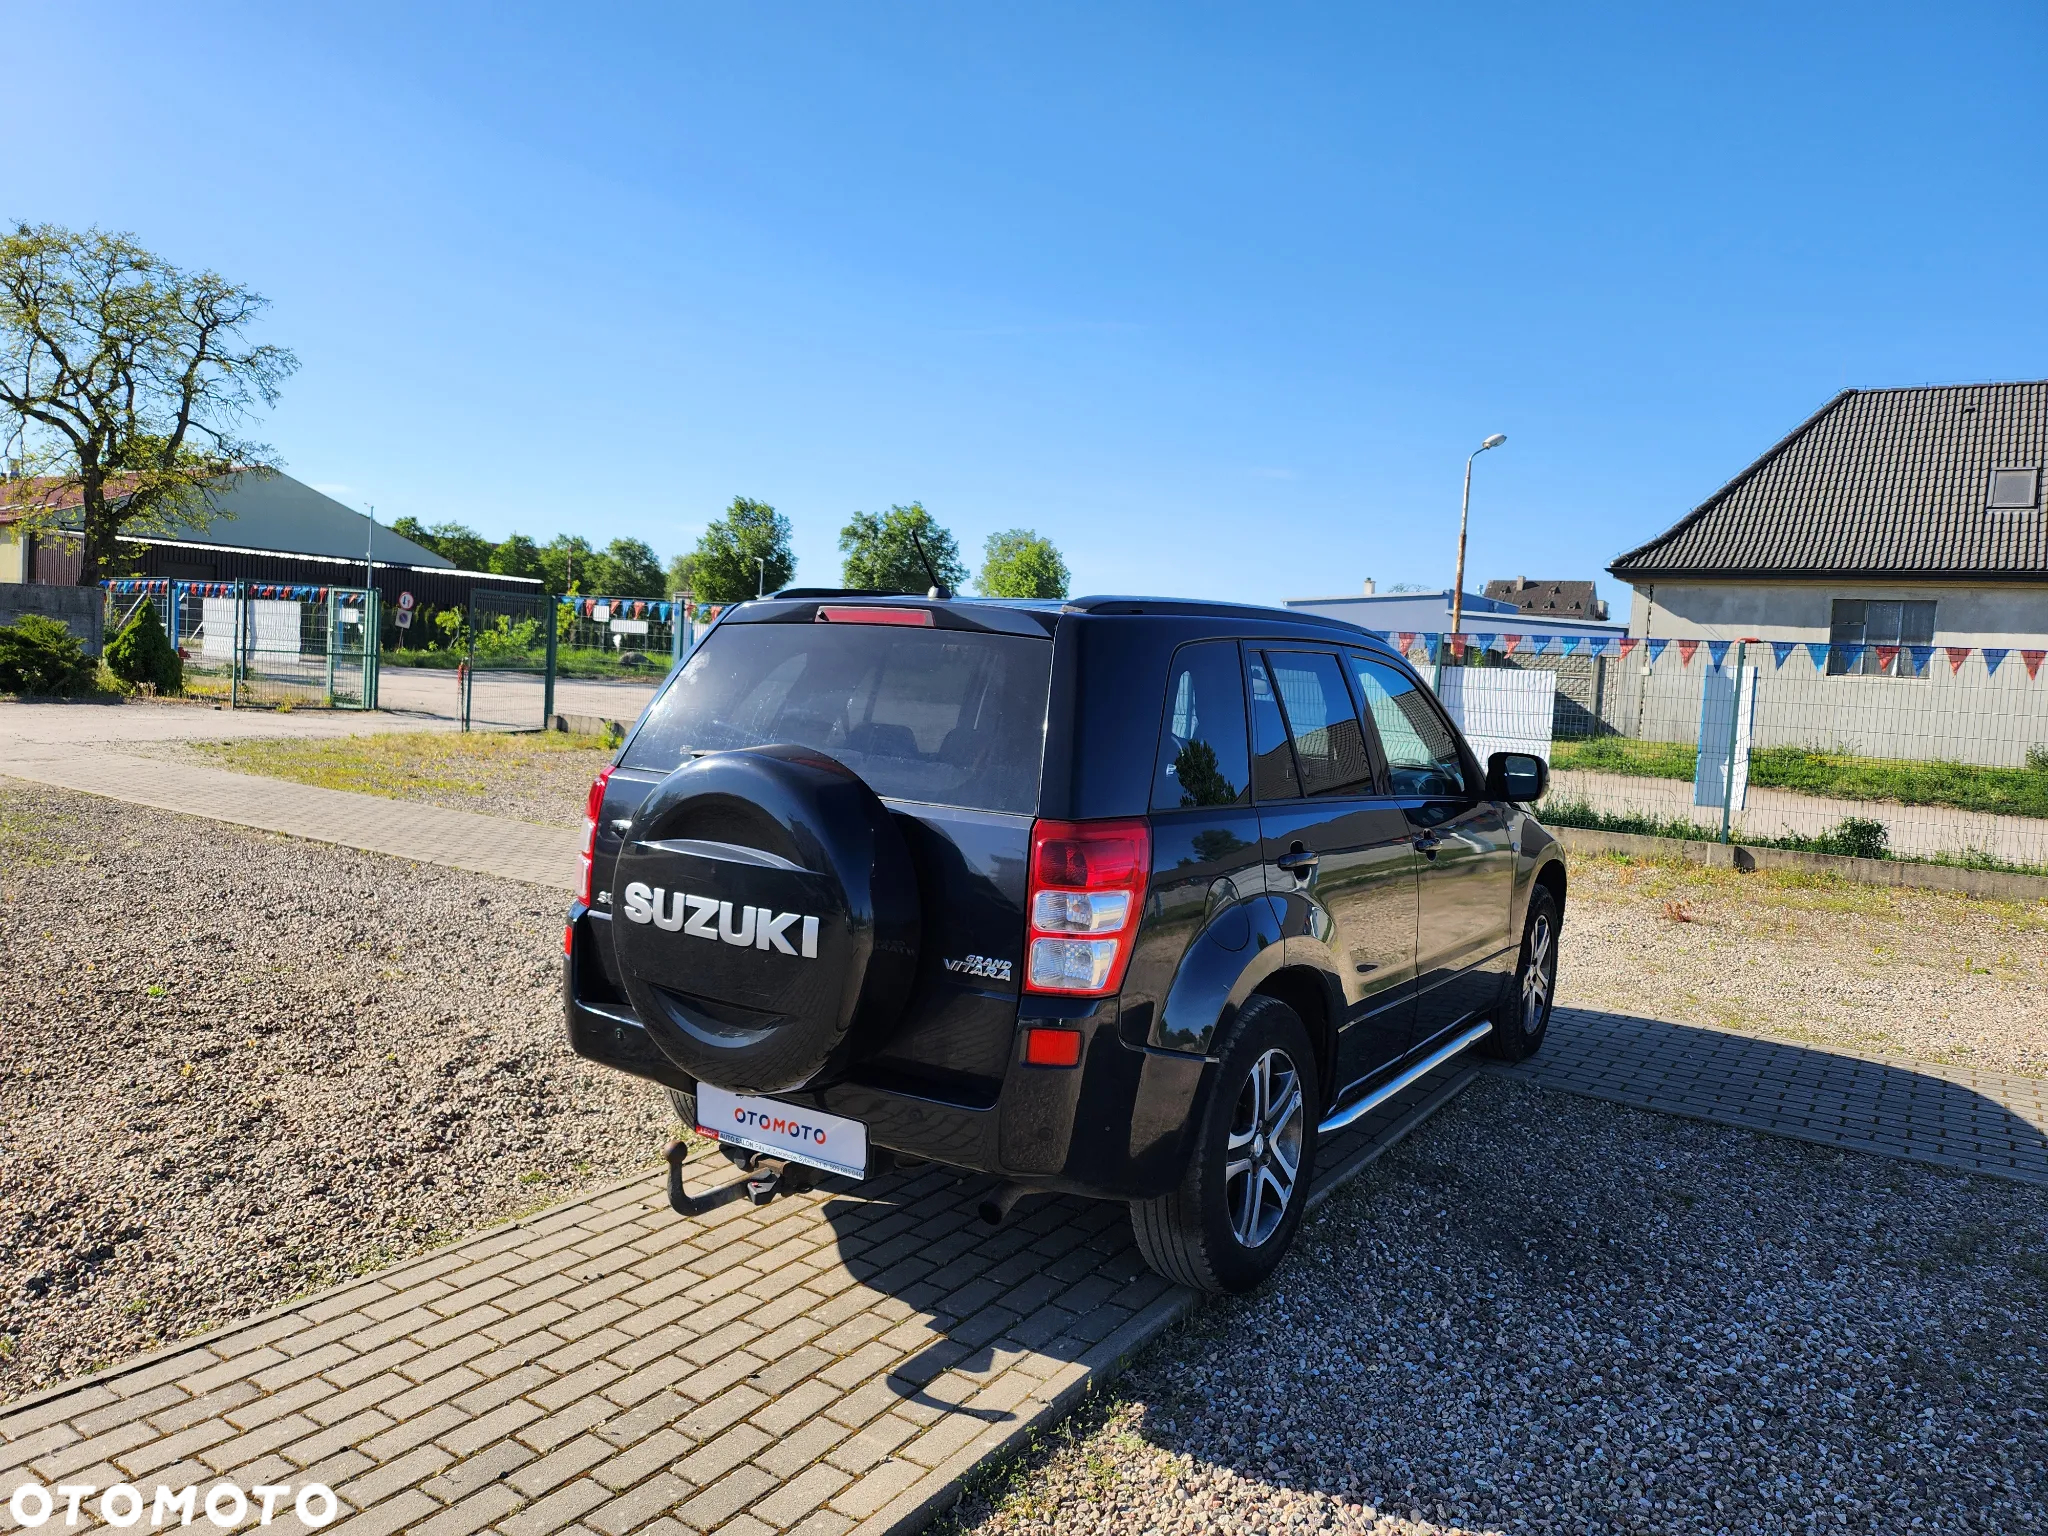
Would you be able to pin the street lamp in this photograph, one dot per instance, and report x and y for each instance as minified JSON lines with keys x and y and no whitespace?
{"x":1464,"y":512}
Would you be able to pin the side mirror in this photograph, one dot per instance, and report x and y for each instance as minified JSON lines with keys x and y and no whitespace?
{"x":1518,"y":776}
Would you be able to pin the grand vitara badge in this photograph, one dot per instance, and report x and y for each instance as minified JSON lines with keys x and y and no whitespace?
{"x":705,"y":917}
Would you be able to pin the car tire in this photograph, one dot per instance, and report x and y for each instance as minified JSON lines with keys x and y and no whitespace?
{"x":1523,"y":1017}
{"x":685,"y":1102}
{"x":1231,"y":1220}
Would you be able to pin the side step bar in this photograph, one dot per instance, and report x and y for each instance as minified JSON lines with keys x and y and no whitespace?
{"x":1360,"y":1108}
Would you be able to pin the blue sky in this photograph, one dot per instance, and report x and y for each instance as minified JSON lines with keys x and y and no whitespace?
{"x":1218,"y":298}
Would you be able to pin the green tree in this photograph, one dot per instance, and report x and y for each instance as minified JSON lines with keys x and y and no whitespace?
{"x":458,"y":542}
{"x":881,"y":555}
{"x":627,"y":568}
{"x":516,"y":555}
{"x":1021,"y":563}
{"x":124,"y":381}
{"x":565,"y":564}
{"x":143,"y":653}
{"x":723,"y":568}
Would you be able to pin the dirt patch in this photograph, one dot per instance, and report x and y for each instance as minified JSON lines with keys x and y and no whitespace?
{"x":1809,"y":957}
{"x":240,"y":1067}
{"x":541,"y":776}
{"x":1547,"y":1314}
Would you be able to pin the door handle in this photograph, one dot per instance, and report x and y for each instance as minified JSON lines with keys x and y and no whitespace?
{"x":1427,"y":844}
{"x":1298,"y":860}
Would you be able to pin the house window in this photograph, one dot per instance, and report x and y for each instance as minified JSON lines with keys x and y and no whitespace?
{"x":1872,"y":625}
{"x":2015,"y":490}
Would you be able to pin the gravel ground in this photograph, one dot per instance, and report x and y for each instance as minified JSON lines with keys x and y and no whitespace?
{"x":542,"y":776}
{"x":1547,"y":1314}
{"x":1876,"y":969}
{"x":239,"y":1067}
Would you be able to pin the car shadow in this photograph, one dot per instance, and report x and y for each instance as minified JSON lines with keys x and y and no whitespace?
{"x":1948,"y":1115}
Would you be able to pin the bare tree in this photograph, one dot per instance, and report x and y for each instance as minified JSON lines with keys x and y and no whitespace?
{"x":124,"y":382}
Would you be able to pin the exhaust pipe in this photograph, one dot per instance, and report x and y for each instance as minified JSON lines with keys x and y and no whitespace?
{"x":996,"y":1205}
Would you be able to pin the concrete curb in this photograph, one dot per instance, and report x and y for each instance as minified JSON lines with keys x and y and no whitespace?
{"x":1994,"y":884}
{"x":936,"y":1492}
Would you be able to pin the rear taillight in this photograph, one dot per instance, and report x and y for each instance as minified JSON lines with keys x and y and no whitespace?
{"x":593,"y":808}
{"x":1087,"y":882}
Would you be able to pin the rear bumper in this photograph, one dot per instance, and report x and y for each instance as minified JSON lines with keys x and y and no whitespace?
{"x":1116,"y":1126}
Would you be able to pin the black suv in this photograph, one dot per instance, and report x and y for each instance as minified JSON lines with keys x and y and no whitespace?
{"x":1123,"y":897}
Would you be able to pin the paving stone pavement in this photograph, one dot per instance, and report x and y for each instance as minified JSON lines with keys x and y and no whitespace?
{"x":1956,"y":1117}
{"x":835,"y":1361}
{"x":429,"y":834}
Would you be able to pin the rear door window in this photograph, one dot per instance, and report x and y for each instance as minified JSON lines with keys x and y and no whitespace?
{"x":1202,"y":754}
{"x":1273,"y":771}
{"x":1329,"y":743}
{"x":946,"y":717}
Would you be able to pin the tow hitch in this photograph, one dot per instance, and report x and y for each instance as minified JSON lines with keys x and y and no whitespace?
{"x":766,"y":1177}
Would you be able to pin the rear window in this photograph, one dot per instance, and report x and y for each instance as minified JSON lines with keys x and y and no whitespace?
{"x":947,"y":717}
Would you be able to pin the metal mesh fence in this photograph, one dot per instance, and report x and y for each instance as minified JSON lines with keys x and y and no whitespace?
{"x":603,"y":637}
{"x":1917,"y":752}
{"x":257,"y":645}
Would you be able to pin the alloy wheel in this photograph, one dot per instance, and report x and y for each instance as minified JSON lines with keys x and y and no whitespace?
{"x":1262,"y":1159}
{"x":1538,"y":975}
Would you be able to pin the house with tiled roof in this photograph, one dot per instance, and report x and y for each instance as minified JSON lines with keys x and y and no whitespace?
{"x":1889,"y":518}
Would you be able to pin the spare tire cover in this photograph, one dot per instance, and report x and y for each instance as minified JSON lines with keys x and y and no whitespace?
{"x":765,"y":916}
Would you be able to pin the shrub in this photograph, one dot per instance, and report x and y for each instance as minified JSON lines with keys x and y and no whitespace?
{"x":143,"y":654}
{"x":2037,"y":759}
{"x":38,"y":654}
{"x":1860,"y":837}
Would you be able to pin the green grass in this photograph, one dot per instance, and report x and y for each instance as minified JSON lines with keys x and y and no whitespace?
{"x":1841,"y":775}
{"x":568,"y":662}
{"x":1852,"y":837}
{"x":403,"y":763}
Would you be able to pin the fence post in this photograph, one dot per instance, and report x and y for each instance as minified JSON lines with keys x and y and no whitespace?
{"x":1734,"y":725}
{"x":333,"y":629}
{"x":547,"y":696}
{"x":373,"y":631}
{"x":235,"y":660}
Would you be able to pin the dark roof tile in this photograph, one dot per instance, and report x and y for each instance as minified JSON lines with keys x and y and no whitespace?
{"x":1881,"y":482}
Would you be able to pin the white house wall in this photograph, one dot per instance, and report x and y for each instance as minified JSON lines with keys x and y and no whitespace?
{"x":1976,"y":615}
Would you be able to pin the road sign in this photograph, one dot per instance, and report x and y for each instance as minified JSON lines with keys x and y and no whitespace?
{"x":405,"y":602}
{"x":402,"y":618}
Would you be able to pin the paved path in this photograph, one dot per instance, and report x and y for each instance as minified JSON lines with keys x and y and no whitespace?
{"x":1957,"y":1117}
{"x":836,"y":1359}
{"x":1915,"y":830}
{"x":429,"y":834}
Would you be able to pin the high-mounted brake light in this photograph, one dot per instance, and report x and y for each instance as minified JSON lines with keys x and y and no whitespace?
{"x":1086,"y":884}
{"x":593,"y":807}
{"x":920,"y":618}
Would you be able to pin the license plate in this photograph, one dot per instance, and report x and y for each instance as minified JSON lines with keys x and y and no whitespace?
{"x":807,"y":1136}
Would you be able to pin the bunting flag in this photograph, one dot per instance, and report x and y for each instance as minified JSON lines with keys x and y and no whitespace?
{"x":1957,"y":655}
{"x":1431,"y":639}
{"x":2033,"y":661}
{"x":1851,"y":655}
{"x":1920,"y":656}
{"x":1455,"y":644}
{"x":1887,"y":655}
{"x":1655,"y":648}
{"x":1566,"y":644}
{"x":1992,"y":657}
{"x":1404,"y":640}
{"x":1628,"y":643}
{"x":1487,"y":642}
{"x":1783,"y":649}
{"x":1508,"y":644}
{"x":1817,"y":651}
{"x":1717,"y":653}
{"x":1686,"y":648}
